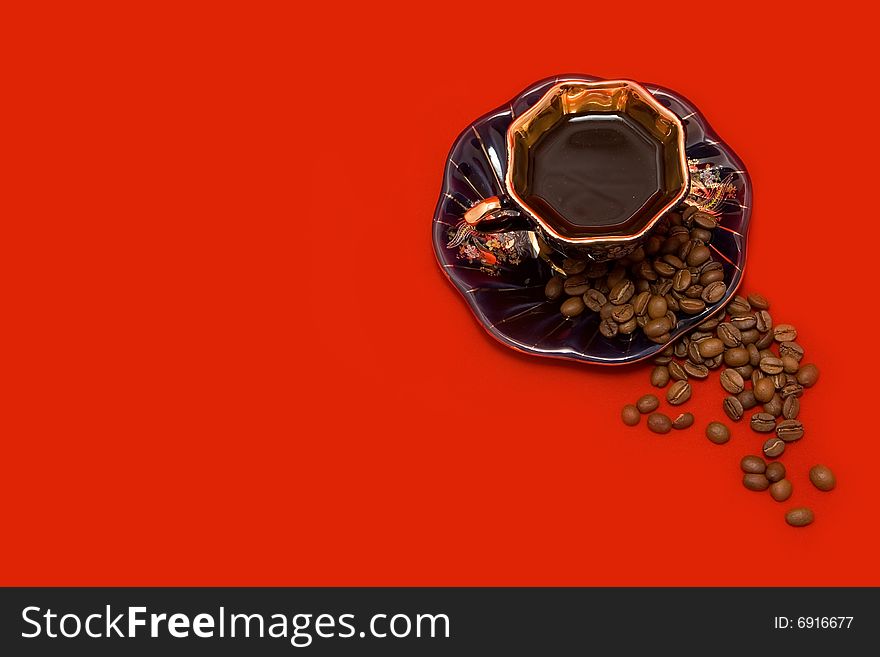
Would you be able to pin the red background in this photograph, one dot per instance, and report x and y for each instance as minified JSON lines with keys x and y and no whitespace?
{"x":230,"y":358}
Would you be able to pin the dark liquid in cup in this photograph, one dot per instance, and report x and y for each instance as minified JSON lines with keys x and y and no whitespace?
{"x":594,"y":172}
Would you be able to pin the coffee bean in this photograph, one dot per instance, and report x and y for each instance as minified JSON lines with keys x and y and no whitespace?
{"x":763,"y":389}
{"x":640,"y":302}
{"x":615,"y":276}
{"x":630,"y":415}
{"x":755,"y":481}
{"x":575,"y":286}
{"x":711,"y":276}
{"x":553,"y":288}
{"x":791,"y":407}
{"x":775,"y":471}
{"x":714,"y":292}
{"x":656,"y":327}
{"x":704,"y":220}
{"x":764,"y":340}
{"x":698,"y":255}
{"x":774,"y":406}
{"x":731,"y":381}
{"x":622,"y":292}
{"x":573,"y":266}
{"x":657,"y":307}
{"x":790,"y":430}
{"x":717,"y":433}
{"x":822,"y":477}
{"x":758,"y":301}
{"x":623,"y":313}
{"x":752,"y":464}
{"x":773,"y":448}
{"x":750,"y":336}
{"x":701,"y":234}
{"x":744,"y":323}
{"x":660,"y":376}
{"x":659,"y":423}
{"x":784,"y":333}
{"x":747,"y":399}
{"x":736,"y":357}
{"x":572,"y":307}
{"x":678,"y":393}
{"x":681,"y":281}
{"x":745,"y":371}
{"x":672,"y":303}
{"x":763,"y":321}
{"x":710,"y":347}
{"x":738,"y":307}
{"x":691,"y":306}
{"x":674,"y":260}
{"x":763,"y":422}
{"x":677,"y":371}
{"x":754,"y":355}
{"x":780,"y":490}
{"x":628,"y":326}
{"x":594,"y":300}
{"x":771,"y":365}
{"x":693,"y":352}
{"x":683,"y":421}
{"x":792,"y":390}
{"x":664,"y":269}
{"x":808,"y":375}
{"x":799,"y":517}
{"x":647,"y":403}
{"x":733,"y":408}
{"x":790,"y":364}
{"x":757,"y":375}
{"x":729,"y":335}
{"x":695,"y":370}
{"x":608,"y":328}
{"x":792,"y":349}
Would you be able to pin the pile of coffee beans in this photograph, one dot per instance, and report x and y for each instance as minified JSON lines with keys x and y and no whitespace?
{"x":672,"y":273}
{"x":764,"y":379}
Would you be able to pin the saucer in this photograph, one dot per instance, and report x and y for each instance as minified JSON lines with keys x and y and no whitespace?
{"x":501,"y":276}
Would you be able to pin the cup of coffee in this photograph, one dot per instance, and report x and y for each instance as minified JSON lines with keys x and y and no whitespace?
{"x":592,"y":167}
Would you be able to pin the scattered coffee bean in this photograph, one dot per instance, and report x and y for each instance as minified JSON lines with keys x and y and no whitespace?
{"x":733,"y":408}
{"x":773,"y":448}
{"x":608,"y":328}
{"x":660,"y":376}
{"x":775,"y":471}
{"x":792,"y":390}
{"x":790,"y":430}
{"x":763,"y":422}
{"x":594,"y":300}
{"x":678,"y":393}
{"x":695,"y":370}
{"x":763,"y":321}
{"x":736,"y":357}
{"x":659,"y":423}
{"x":799,"y":517}
{"x":738,"y":307}
{"x":630,"y":415}
{"x":747,"y":399}
{"x":764,"y":389}
{"x":758,"y":302}
{"x":683,"y":421}
{"x":677,"y":371}
{"x":784,"y":333}
{"x":780,"y":490}
{"x":691,"y":306}
{"x":764,"y":340}
{"x":732,"y":381}
{"x":791,"y":407}
{"x":577,"y":285}
{"x":755,"y":481}
{"x":753,"y":464}
{"x":647,"y":403}
{"x":718,"y":433}
{"x":770,"y":365}
{"x":774,"y":406}
{"x":808,"y":375}
{"x":822,"y":477}
{"x":710,"y":347}
{"x":792,"y":349}
{"x":790,"y":364}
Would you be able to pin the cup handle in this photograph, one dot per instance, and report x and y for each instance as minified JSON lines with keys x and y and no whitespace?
{"x":496,"y":215}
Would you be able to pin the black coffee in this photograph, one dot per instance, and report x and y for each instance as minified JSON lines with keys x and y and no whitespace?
{"x":595,"y":170}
